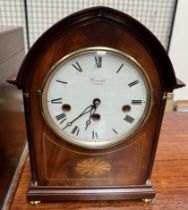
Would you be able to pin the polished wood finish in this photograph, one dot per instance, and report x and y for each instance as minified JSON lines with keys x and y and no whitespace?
{"x":170,"y":175}
{"x":53,"y":161}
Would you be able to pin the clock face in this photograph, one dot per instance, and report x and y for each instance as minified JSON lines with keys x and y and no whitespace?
{"x":96,"y":97}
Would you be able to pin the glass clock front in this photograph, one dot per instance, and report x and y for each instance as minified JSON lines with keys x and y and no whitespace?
{"x":96,"y":97}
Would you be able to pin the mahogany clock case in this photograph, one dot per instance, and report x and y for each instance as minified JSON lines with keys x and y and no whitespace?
{"x":61,"y":171}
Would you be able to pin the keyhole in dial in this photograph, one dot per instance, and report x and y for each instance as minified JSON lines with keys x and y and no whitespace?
{"x":96,"y":117}
{"x":126,"y":108}
{"x":66,"y":107}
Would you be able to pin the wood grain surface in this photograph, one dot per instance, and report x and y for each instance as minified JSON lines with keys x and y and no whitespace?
{"x":170,"y":176}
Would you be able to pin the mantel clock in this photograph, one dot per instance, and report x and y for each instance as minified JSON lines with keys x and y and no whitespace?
{"x":95,"y":86}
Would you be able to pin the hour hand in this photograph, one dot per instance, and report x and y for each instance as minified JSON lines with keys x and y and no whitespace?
{"x":96,"y":103}
{"x":88,"y":122}
{"x":86,"y":110}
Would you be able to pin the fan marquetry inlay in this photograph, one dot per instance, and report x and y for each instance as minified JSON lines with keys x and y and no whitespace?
{"x":92,"y":167}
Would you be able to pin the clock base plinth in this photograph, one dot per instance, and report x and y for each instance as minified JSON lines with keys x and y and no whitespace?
{"x":56,"y":193}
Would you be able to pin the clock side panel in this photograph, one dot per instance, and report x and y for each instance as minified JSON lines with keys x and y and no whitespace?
{"x":58,"y":163}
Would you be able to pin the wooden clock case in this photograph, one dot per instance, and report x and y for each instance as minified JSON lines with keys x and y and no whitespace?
{"x":61,"y":171}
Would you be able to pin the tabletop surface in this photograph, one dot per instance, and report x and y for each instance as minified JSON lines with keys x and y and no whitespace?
{"x":169,"y":177}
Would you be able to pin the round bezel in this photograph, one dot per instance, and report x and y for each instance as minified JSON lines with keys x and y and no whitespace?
{"x":88,"y":144}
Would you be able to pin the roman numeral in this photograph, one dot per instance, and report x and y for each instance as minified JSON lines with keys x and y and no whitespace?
{"x":136,"y":102}
{"x":60,"y":116}
{"x":119,"y":68}
{"x":94,"y":135}
{"x":114,"y":131}
{"x":63,"y":120}
{"x":56,"y":101}
{"x":98,"y":61}
{"x":75,"y":130}
{"x":129,"y":119}
{"x":133,"y":83}
{"x":77,"y":67}
{"x":61,"y":81}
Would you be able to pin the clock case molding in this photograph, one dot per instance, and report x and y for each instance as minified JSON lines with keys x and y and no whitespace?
{"x":53,"y":177}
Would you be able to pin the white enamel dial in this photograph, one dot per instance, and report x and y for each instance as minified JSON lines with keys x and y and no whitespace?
{"x":96,"y":97}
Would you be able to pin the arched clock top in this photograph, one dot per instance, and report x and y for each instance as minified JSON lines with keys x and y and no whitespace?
{"x":78,"y":21}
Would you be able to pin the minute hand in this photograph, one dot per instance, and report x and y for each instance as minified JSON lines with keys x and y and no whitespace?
{"x":86,"y":110}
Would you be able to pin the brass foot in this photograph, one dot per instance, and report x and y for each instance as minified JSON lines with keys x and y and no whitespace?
{"x":147,"y":200}
{"x":35,"y":203}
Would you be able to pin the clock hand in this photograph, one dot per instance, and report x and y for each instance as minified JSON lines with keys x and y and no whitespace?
{"x":86,"y":110}
{"x":88,"y":122}
{"x":96,"y":103}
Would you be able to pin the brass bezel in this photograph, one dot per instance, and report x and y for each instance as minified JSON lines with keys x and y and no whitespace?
{"x":94,"y":145}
